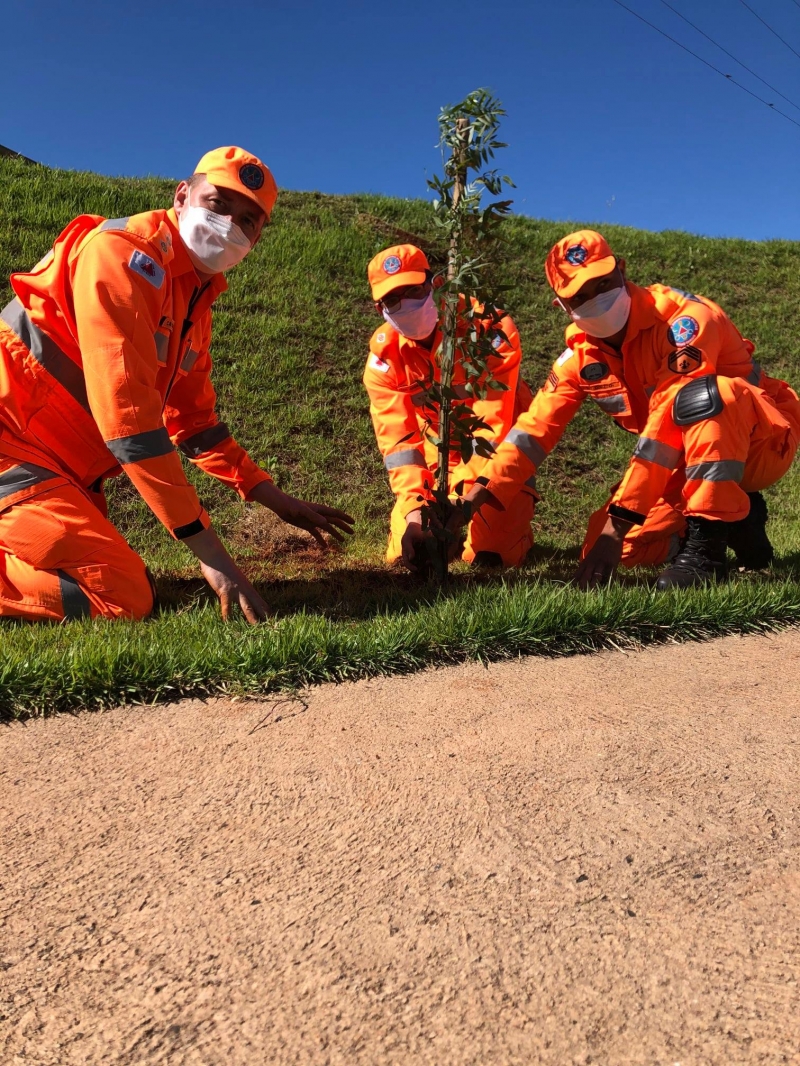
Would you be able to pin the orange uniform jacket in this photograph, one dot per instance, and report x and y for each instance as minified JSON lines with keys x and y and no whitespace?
{"x":395,"y":369}
{"x":105,"y":365}
{"x":672,"y":337}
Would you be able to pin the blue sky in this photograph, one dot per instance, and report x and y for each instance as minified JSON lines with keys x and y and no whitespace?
{"x":607,"y":121}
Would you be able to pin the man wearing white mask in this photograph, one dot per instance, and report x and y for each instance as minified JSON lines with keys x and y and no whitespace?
{"x":713,"y":429}
{"x":402,"y":357}
{"x":105,"y":368}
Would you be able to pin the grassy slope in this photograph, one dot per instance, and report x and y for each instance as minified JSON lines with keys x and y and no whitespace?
{"x":290,"y":341}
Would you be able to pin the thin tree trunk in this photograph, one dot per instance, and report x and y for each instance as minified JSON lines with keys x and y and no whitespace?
{"x":450,"y":325}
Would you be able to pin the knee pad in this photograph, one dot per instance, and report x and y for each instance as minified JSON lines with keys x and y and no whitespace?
{"x":697,"y":400}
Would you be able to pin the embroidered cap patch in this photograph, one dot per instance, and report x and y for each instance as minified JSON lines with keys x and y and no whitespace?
{"x":251,"y":176}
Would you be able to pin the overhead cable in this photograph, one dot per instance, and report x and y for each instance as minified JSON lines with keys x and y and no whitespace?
{"x":731,"y":55}
{"x":705,"y":62}
{"x":775,"y":32}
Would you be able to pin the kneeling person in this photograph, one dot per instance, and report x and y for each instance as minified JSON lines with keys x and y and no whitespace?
{"x":713,"y":428}
{"x":105,"y":367}
{"x":401,"y":358}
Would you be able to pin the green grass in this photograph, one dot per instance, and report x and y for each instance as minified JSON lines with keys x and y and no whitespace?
{"x":290,"y":343}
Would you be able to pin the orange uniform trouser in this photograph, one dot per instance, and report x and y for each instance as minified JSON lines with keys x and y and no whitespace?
{"x":60,"y":557}
{"x":749,"y":446}
{"x":506,"y":533}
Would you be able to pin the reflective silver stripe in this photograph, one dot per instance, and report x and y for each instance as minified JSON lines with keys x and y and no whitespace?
{"x":205,"y":440}
{"x":189,"y":360}
{"x":23,"y":477}
{"x":73,"y":599}
{"x":655,"y":451}
{"x":115,"y":223}
{"x":140,"y":446}
{"x":612,"y":405}
{"x":531,"y":482}
{"x":162,"y":344}
{"x":46,"y":352}
{"x":721,"y":470}
{"x":649,"y":390}
{"x":755,"y":374}
{"x":408,"y":457}
{"x":528,"y":445}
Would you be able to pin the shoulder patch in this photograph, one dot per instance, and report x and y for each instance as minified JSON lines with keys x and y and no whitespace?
{"x":566,"y":354}
{"x":147,"y":268}
{"x":377,"y":363}
{"x":594,"y":371}
{"x":684,"y":330}
{"x":685,"y":360}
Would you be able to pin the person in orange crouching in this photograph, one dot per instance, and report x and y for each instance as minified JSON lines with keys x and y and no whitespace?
{"x":401,"y":357}
{"x":105,"y":368}
{"x":713,"y":428}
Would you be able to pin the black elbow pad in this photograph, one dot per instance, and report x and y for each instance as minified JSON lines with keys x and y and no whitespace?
{"x":697,"y":400}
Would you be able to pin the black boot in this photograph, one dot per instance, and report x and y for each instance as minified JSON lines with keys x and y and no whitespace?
{"x":702,"y":557}
{"x":748,"y":538}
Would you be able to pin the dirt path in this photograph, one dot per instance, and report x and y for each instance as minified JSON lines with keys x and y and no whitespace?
{"x":592,"y":860}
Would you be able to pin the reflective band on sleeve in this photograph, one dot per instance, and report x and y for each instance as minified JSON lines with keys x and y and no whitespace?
{"x":73,"y":599}
{"x":23,"y":477}
{"x":755,"y":374}
{"x":115,"y":223}
{"x":655,"y":451}
{"x":162,"y":344}
{"x":205,"y":440}
{"x":528,"y":445}
{"x":46,"y":352}
{"x":721,"y":470}
{"x":139,"y":446}
{"x":408,"y":457}
{"x":612,"y":405}
{"x":189,"y":360}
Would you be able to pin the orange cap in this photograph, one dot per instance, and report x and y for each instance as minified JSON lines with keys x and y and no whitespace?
{"x":233,"y":168}
{"x":401,"y":265}
{"x":576,"y":259}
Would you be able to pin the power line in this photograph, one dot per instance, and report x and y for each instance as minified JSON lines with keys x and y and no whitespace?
{"x":774,"y":32}
{"x":705,"y":62}
{"x":731,"y":55}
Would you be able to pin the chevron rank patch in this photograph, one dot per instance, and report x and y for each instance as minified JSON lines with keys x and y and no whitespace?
{"x":147,"y":268}
{"x":685,"y":360}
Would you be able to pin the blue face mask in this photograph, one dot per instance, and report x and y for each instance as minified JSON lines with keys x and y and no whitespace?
{"x":605,"y":315}
{"x":415,"y":319}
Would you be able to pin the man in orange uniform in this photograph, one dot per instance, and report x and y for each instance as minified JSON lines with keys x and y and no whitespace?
{"x":401,"y":357}
{"x":105,"y":367}
{"x":713,"y":428}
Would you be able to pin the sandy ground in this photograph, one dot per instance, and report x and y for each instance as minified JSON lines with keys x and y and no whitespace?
{"x":592,"y":860}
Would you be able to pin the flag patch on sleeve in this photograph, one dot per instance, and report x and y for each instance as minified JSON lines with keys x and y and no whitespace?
{"x":148,"y":269}
{"x":377,"y":363}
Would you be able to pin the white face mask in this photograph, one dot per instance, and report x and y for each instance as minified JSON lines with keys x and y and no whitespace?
{"x":415,"y":319}
{"x":214,"y":242}
{"x":603,"y":316}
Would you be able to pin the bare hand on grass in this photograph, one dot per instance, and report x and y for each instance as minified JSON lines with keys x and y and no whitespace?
{"x":232,"y":589}
{"x":603,"y":558}
{"x":316,"y":518}
{"x":225,"y":578}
